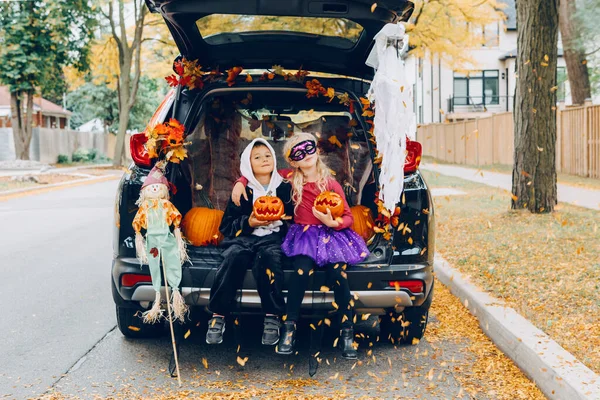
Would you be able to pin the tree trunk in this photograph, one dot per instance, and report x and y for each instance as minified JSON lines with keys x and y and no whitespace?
{"x":534,"y":171}
{"x":124,"y":93}
{"x":574,"y":52}
{"x":129,"y":55}
{"x":21,"y":124}
{"x":16,"y":109}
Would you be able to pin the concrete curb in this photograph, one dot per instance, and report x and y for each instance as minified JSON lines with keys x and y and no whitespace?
{"x":9,"y":194}
{"x":557,"y":373}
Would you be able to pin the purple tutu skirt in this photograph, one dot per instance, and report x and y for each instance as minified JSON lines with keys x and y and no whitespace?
{"x":325,"y":245}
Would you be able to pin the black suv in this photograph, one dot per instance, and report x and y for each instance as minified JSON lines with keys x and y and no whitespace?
{"x":331,"y":39}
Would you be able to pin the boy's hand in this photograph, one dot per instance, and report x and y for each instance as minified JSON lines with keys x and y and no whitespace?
{"x":238,"y":191}
{"x":326,"y":219}
{"x":255,"y":223}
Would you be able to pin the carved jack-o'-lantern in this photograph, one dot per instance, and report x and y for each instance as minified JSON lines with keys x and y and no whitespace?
{"x":268,"y":208}
{"x":331,"y":201}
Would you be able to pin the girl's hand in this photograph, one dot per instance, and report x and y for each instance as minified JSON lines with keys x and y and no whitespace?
{"x":239,"y":190}
{"x":255,"y":223}
{"x":326,"y":219}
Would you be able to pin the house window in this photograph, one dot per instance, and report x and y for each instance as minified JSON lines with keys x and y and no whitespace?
{"x":491,"y":34}
{"x":476,"y":88}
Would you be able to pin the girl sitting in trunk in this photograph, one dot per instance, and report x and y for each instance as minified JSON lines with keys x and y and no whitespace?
{"x":316,"y":240}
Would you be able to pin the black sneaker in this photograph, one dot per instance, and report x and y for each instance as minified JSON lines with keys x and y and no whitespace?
{"x":286,"y":346}
{"x":346,"y":344}
{"x":270,"y":335}
{"x":216,"y":328}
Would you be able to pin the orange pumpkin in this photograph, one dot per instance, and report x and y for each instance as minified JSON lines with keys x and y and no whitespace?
{"x":331,"y":201}
{"x":201,"y":226}
{"x":363,"y":221}
{"x":268,"y":208}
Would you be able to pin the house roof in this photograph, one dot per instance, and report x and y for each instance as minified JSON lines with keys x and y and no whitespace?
{"x":39,"y":103}
{"x":511,"y":14}
{"x":513,"y":54}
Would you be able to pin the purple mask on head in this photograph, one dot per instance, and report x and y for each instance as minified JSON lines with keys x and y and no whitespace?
{"x":303,"y":149}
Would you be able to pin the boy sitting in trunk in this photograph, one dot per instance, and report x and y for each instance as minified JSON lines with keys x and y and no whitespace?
{"x":252,"y":242}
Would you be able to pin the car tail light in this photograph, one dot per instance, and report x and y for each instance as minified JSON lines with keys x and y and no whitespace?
{"x":414,"y":150}
{"x":413,"y":286}
{"x":134,"y":279}
{"x":139,"y":154}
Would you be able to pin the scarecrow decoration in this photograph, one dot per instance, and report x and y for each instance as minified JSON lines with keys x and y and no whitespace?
{"x":394,"y":119}
{"x":156,"y":214}
{"x":163,"y":244}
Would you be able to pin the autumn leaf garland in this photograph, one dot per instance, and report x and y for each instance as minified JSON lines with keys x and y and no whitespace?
{"x":167,"y":140}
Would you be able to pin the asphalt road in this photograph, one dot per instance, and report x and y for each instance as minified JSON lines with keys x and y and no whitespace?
{"x":58,"y":325}
{"x":55,"y":251}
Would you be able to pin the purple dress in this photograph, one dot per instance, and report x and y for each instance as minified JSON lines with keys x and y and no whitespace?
{"x":325,"y":245}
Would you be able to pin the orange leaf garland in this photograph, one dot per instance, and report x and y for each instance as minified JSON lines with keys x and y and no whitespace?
{"x":232,"y":74}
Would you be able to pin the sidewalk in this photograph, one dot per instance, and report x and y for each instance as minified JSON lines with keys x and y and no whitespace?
{"x":582,"y":197}
{"x":45,"y":170}
{"x":48,"y":169}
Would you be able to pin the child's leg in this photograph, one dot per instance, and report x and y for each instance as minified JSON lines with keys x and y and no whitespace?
{"x":337,"y":281}
{"x":302,"y":265}
{"x":229,"y":278}
{"x":297,"y":287}
{"x":268,"y":274}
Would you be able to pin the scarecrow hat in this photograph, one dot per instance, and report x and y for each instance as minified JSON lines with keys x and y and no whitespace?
{"x":155,"y":176}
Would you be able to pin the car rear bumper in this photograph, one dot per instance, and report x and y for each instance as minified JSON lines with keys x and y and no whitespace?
{"x":370,"y":287}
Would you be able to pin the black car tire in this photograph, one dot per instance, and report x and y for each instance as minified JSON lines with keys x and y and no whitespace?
{"x":131,"y":325}
{"x":408,"y":325}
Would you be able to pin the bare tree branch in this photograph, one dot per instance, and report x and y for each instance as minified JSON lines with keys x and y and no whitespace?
{"x":113,"y":28}
{"x":122,"y":24}
{"x":137,"y":42}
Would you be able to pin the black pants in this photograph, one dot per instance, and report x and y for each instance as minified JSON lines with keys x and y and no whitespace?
{"x":263,"y":254}
{"x":335,"y":280}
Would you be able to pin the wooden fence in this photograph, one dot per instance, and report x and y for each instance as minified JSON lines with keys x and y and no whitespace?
{"x":490,"y":140}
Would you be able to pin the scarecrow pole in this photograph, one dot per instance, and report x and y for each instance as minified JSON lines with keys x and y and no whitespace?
{"x":171,"y":320}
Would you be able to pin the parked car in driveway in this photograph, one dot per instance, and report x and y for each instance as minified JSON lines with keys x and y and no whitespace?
{"x":396,"y":281}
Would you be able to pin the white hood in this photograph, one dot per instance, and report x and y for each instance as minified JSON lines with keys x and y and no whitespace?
{"x":257,"y":189}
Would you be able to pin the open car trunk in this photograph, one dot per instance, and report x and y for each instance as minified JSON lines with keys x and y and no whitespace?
{"x":229,"y":122}
{"x":333,"y":36}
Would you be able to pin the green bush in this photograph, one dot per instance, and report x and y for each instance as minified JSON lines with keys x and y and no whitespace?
{"x":62,"y":159}
{"x":92,"y":154}
{"x":81,"y":155}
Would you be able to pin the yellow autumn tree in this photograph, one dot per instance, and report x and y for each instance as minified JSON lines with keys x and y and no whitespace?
{"x":449,"y":28}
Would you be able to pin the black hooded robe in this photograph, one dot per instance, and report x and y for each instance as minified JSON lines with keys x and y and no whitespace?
{"x":244,"y":250}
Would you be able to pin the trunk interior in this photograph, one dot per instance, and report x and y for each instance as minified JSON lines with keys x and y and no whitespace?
{"x":228,"y":120}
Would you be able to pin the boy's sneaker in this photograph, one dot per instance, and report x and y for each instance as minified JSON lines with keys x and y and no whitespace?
{"x":216,"y":328}
{"x":270,"y":335}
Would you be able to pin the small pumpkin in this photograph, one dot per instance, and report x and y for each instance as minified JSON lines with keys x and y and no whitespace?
{"x":363,"y":221}
{"x":201,"y":226}
{"x":268,"y":208}
{"x":332,"y":201}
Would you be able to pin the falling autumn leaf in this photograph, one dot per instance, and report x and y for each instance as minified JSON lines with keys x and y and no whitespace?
{"x":373,"y":7}
{"x":242,"y":361}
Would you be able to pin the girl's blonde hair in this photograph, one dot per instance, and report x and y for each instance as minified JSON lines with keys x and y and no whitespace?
{"x":297,"y":179}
